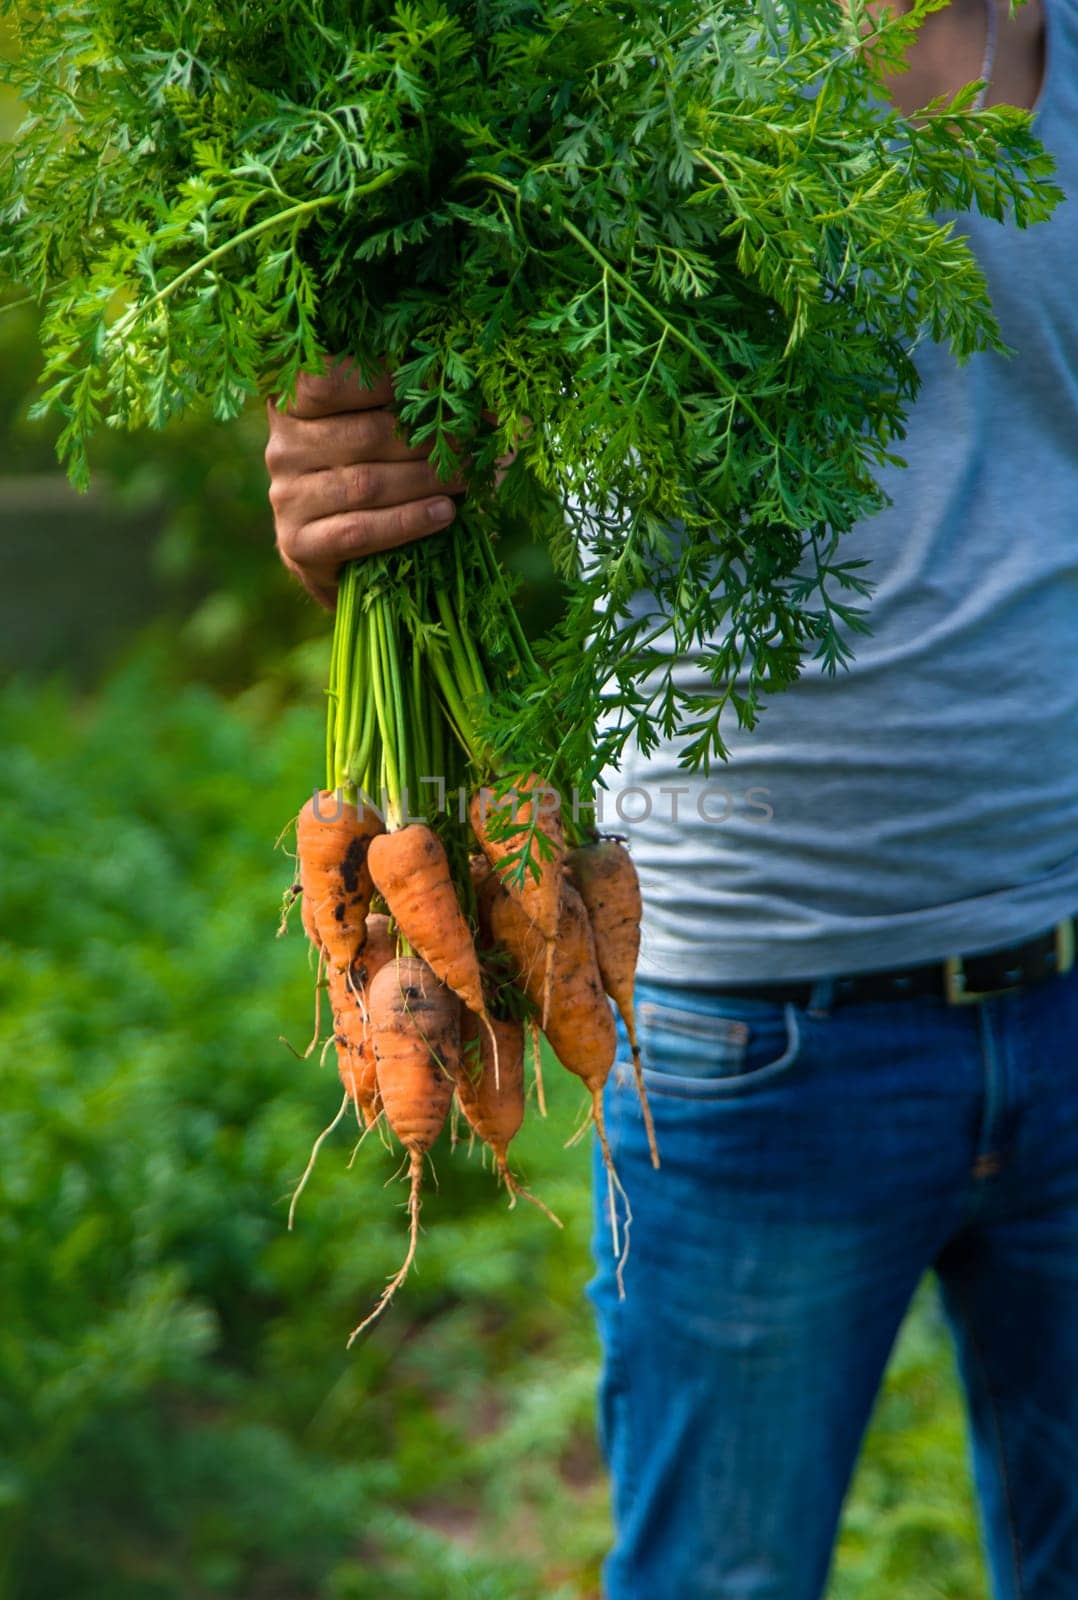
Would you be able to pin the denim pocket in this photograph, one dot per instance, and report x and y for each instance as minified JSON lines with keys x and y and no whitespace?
{"x":731,"y":1047}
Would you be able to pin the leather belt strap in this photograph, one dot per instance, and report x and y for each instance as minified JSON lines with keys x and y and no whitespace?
{"x":960,"y":980}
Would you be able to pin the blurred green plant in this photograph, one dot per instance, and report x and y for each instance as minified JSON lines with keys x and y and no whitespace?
{"x":178,"y":1418}
{"x":177,"y":1412}
{"x":235,"y":615}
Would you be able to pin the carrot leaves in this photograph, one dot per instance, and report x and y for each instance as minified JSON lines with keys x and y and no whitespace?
{"x":682,"y":253}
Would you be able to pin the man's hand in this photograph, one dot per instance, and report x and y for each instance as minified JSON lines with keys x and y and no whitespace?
{"x":343,"y":483}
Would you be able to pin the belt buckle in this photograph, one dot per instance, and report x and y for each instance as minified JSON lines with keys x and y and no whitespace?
{"x":954,"y":985}
{"x":954,"y":971}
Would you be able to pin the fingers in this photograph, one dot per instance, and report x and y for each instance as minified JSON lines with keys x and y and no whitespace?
{"x":344,"y":481}
{"x":319,"y":548}
{"x":363,"y":486}
{"x":309,"y":444}
{"x":339,"y":388}
{"x":346,"y":484}
{"x":328,"y":517}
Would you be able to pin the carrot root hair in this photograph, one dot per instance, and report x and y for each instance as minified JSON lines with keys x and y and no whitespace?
{"x":352,"y":1091}
{"x":305,"y":1054}
{"x":288,"y":900}
{"x":537,"y":1065}
{"x":641,"y":1089}
{"x":548,"y":978}
{"x":370,"y":1128}
{"x":318,"y":1143}
{"x":518,"y":1191}
{"x":317,"y":1001}
{"x":415,"y":1169}
{"x":290,"y":824}
{"x":614,"y":1188}
{"x":489,"y":1026}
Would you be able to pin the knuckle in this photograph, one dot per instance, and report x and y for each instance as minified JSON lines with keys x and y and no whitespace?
{"x":404,"y":521}
{"x":280,"y":492}
{"x":286,"y":557}
{"x":311,"y":388}
{"x":356,"y":539}
{"x":289,"y":533}
{"x":362,"y":484}
{"x":274,"y":453}
{"x":369,"y":434}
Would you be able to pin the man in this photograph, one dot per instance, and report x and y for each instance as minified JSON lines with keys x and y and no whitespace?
{"x":858,"y":1005}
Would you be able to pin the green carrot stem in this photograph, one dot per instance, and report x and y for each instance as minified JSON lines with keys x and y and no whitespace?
{"x":361,"y":760}
{"x":331,"y":727}
{"x":340,"y":679}
{"x":387,"y":776}
{"x":387,"y":623}
{"x":461,"y":611}
{"x":358,"y":700}
{"x":420,"y":724}
{"x":383,"y":774}
{"x":455,"y":709}
{"x":293,"y":213}
{"x":437,"y":736}
{"x":496,"y":579}
{"x":468,"y":672}
{"x":409,"y":749}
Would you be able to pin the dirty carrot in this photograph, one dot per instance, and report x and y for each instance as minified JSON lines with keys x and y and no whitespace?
{"x":494,"y":1108}
{"x":606,"y":880}
{"x":411,"y":872}
{"x":539,"y":890}
{"x":415,"y":1027}
{"x":333,"y":838}
{"x":355,"y":1051}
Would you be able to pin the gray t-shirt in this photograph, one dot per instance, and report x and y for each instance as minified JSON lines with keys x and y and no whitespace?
{"x":923,"y":802}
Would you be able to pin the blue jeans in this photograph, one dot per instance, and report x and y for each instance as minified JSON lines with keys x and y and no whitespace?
{"x":815,"y":1162}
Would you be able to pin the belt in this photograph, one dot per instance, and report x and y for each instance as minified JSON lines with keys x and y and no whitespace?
{"x":959,"y":980}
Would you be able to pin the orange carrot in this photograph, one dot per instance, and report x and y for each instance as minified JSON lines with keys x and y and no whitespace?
{"x":518,"y":937}
{"x":355,"y":1053}
{"x":415,"y":1027}
{"x":539,"y":896}
{"x":494,"y":1108}
{"x":537,"y":1064}
{"x":379,"y":947}
{"x":480,"y":869}
{"x":580,"y":1026}
{"x":332,"y":840}
{"x":351,"y":1017}
{"x":306,"y":912}
{"x":508,"y":926}
{"x":411,"y":872}
{"x":583,"y":1037}
{"x":606,"y":879}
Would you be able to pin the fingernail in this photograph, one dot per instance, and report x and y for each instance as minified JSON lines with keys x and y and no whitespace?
{"x":440,"y":510}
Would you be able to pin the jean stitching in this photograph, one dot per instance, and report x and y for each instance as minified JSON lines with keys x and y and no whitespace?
{"x":675,"y":1087}
{"x":989,"y":1153}
{"x":1001,"y":1453}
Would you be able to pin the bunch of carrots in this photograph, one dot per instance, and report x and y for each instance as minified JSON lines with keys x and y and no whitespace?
{"x":447,"y":937}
